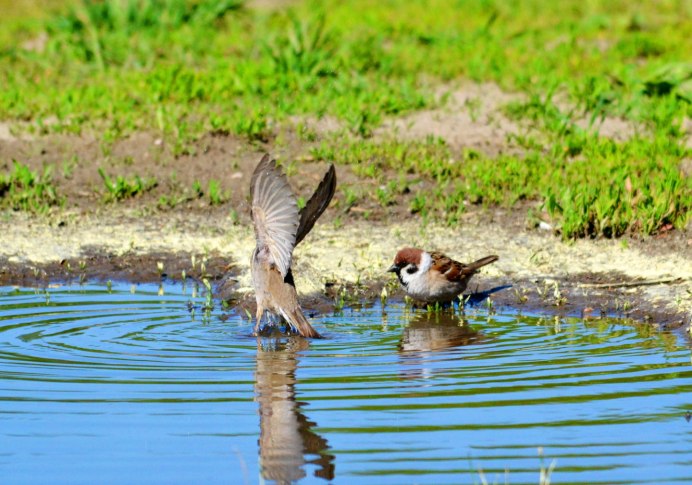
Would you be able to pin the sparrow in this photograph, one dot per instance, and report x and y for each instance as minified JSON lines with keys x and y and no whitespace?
{"x":279,"y":227}
{"x":433,"y":277}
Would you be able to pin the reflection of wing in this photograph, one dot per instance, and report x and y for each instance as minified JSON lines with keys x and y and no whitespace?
{"x":287,"y":441}
{"x":317,"y":204}
{"x":274,"y":213}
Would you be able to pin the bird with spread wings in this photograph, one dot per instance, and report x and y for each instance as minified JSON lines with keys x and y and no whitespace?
{"x":279,"y":227}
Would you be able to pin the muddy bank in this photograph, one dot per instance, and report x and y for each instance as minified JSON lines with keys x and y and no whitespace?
{"x":174,"y":230}
{"x":467,"y":116}
{"x":539,"y":272}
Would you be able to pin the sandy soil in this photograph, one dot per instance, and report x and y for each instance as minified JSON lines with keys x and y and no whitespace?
{"x":355,"y":257}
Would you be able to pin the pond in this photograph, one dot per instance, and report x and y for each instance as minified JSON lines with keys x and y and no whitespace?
{"x":141,"y":384}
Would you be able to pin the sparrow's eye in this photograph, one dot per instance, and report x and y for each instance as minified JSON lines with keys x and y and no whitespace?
{"x":411,"y":269}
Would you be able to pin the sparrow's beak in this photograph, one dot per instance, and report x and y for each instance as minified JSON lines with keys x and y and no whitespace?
{"x":393,"y":269}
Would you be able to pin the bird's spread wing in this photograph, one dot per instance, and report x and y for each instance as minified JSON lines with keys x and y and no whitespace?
{"x":317,"y":204}
{"x":274,"y":213}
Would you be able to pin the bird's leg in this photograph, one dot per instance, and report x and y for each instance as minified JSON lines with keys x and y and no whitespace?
{"x":260,"y":311}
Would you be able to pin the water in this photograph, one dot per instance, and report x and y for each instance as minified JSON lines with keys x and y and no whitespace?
{"x":129,"y":386}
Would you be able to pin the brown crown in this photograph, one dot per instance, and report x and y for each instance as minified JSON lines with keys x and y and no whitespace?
{"x":407,"y":256}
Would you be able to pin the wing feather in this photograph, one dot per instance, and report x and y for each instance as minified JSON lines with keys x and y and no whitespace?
{"x":317,"y":204}
{"x":274,"y":213}
{"x":456,"y":271}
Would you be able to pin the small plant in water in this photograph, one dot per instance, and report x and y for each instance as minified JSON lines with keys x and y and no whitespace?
{"x":384,"y":295}
{"x":543,"y":290}
{"x":340,"y":300}
{"x":521,"y":295}
{"x":560,"y":298}
{"x":546,"y":472}
{"x":490,"y":304}
{"x":408,"y":301}
{"x":436,"y":308}
{"x":208,"y":302}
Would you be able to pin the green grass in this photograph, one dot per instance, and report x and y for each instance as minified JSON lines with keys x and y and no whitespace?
{"x":135,"y":64}
{"x":188,"y":68}
{"x":121,"y":188}
{"x":23,"y":189}
{"x":216,"y":195}
{"x":614,"y":189}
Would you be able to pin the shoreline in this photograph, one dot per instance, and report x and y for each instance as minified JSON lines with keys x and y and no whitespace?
{"x":350,"y":259}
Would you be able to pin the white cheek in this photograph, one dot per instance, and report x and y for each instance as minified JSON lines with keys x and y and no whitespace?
{"x":407,"y":277}
{"x":416,"y":283}
{"x":413,"y":278}
{"x":425,"y":263}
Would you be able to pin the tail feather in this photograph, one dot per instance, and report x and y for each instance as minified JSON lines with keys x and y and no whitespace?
{"x":296,"y":319}
{"x":481,"y":262}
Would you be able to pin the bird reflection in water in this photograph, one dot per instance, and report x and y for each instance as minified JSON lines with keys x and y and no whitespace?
{"x":443,"y":329}
{"x":287,"y":442}
{"x":428,"y":333}
{"x":436,"y":331}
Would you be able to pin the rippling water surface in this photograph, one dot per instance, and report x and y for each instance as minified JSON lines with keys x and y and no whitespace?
{"x":130,"y":386}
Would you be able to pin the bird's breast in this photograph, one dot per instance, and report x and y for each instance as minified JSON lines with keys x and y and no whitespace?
{"x":433,"y":286}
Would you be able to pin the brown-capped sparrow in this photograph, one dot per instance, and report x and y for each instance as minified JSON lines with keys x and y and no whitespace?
{"x":279,"y":227}
{"x":433,"y":277}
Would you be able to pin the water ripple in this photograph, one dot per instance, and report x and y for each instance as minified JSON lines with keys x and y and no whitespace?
{"x":134,"y":384}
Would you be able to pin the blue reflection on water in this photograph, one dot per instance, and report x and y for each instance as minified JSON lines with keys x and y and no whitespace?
{"x":126,"y":386}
